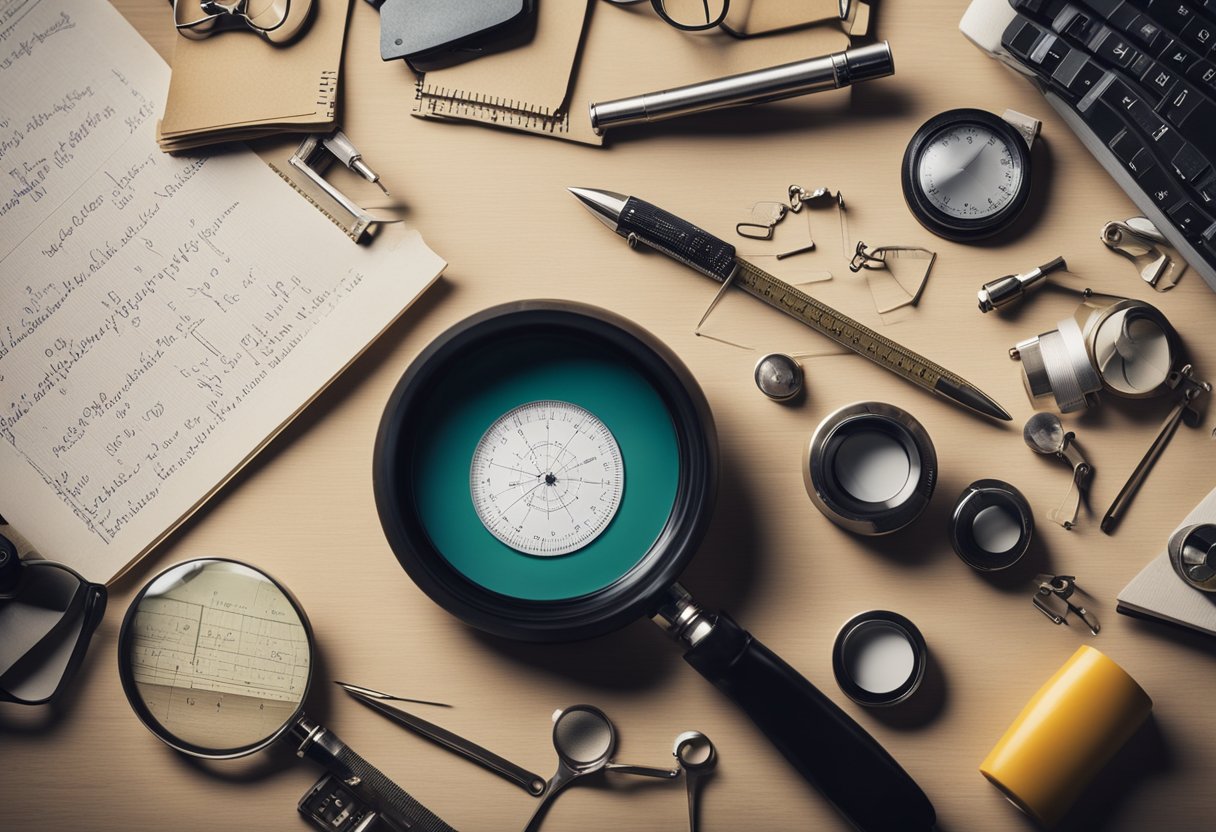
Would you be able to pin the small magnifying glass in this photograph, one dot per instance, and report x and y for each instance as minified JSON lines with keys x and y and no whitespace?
{"x":584,"y":739}
{"x":215,"y":658}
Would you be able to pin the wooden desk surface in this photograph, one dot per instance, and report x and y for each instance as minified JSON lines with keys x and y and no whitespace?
{"x":493,"y":203}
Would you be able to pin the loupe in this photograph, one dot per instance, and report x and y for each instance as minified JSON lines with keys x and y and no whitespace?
{"x":584,"y":739}
{"x":216,"y":659}
{"x":870,"y":468}
{"x":1123,"y":346}
{"x":879,"y":658}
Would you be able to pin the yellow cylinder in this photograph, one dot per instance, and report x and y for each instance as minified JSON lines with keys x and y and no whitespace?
{"x":1066,"y":733}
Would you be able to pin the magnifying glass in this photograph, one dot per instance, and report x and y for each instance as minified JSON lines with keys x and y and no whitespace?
{"x":546,"y":470}
{"x":584,"y":739}
{"x":215,"y":658}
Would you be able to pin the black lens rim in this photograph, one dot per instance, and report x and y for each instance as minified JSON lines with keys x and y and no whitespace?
{"x":635,"y":594}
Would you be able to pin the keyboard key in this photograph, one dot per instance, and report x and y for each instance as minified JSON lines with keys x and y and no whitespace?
{"x":1204,"y":74}
{"x":1076,"y":74}
{"x":1150,"y":35}
{"x":1199,"y":128}
{"x":1206,"y":188}
{"x":1191,"y":221}
{"x":1161,"y":188}
{"x":1176,"y":56}
{"x":1103,"y":120}
{"x":1171,"y":14}
{"x":1111,"y":47}
{"x":1075,"y":23}
{"x":1189,"y":163}
{"x":1179,"y":104}
{"x":1020,"y":36}
{"x":1049,"y":52}
{"x":1198,"y":33}
{"x":1106,"y":8}
{"x":1158,"y":79}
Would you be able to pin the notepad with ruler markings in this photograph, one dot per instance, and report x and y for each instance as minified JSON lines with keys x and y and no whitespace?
{"x":533,"y":88}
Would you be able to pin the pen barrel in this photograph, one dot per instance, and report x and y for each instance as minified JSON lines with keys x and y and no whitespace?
{"x":839,"y":69}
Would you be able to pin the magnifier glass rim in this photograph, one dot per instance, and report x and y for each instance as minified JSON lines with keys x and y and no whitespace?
{"x":1135,"y":309}
{"x":598,"y":762}
{"x":127,"y":677}
{"x":632,"y":595}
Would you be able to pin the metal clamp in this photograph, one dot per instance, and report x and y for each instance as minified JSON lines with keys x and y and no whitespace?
{"x":1053,"y":599}
{"x":1138,"y":240}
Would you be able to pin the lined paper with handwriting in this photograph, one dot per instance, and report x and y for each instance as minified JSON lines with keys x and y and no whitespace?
{"x":160,"y":317}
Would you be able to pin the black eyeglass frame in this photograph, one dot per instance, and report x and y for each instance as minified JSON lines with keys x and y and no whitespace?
{"x":661,"y":11}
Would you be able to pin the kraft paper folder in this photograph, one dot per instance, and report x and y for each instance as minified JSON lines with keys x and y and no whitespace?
{"x":235,"y":86}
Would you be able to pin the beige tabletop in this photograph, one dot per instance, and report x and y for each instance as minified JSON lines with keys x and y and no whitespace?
{"x":493,"y":204}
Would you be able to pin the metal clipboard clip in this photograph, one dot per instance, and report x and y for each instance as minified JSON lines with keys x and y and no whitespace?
{"x":305,"y":173}
{"x":1053,"y":599}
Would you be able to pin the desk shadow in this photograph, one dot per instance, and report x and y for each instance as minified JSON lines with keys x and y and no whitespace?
{"x":1019,"y":578}
{"x":638,"y":656}
{"x":922,"y":540}
{"x":1098,"y":807}
{"x":1176,"y":633}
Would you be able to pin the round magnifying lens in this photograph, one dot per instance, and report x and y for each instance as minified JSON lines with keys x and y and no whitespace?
{"x":879,"y":658}
{"x":584,"y":737}
{"x":1134,"y":351}
{"x":215,"y":658}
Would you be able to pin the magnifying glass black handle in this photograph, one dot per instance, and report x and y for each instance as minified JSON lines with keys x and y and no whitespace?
{"x":324,"y":747}
{"x":827,"y":747}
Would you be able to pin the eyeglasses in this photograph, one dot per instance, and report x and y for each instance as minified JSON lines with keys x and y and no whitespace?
{"x":689,"y":15}
{"x":278,"y":21}
{"x":48,"y":614}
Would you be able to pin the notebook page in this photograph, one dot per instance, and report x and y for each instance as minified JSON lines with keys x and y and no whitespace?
{"x":161,"y":318}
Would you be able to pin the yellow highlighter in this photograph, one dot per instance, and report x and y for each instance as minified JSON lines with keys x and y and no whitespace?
{"x":1064,"y":736}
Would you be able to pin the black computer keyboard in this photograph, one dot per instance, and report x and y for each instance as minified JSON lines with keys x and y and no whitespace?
{"x":1136,"y":80}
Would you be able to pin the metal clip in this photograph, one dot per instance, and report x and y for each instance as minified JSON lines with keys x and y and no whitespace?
{"x":1052,"y":598}
{"x":1140,"y":241}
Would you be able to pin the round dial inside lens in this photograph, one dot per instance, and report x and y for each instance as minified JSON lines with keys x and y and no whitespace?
{"x":547,"y":478}
{"x":969,"y":172}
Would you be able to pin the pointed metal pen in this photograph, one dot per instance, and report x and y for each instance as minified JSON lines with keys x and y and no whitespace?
{"x":640,"y":222}
{"x":532,"y":783}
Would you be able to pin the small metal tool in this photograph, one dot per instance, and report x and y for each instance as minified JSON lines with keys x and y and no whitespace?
{"x":1053,"y":599}
{"x":534,"y":784}
{"x":584,"y":739}
{"x":778,"y":376}
{"x":697,"y":757}
{"x":1045,"y":434}
{"x":1184,"y":410}
{"x":376,"y":694}
{"x":1007,"y":290}
{"x":312,"y":158}
{"x":1138,"y":240}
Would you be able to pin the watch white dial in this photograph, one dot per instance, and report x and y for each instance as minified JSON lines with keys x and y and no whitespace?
{"x":547,"y":478}
{"x":967,"y":171}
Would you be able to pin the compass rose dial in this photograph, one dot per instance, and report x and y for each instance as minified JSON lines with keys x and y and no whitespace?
{"x":547,"y":478}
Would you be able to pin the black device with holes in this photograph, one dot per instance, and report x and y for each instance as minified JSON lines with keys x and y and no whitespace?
{"x":333,"y":806}
{"x":432,"y":34}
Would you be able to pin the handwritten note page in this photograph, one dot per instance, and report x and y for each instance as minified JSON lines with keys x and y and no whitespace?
{"x":160,"y":317}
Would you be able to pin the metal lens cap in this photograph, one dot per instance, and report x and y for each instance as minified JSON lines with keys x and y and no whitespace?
{"x":991,"y":526}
